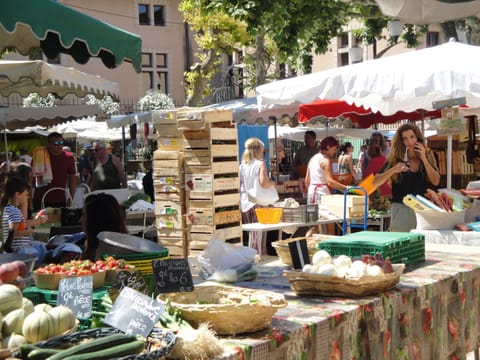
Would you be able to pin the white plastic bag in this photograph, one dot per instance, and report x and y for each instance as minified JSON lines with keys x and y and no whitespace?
{"x":219,"y":255}
{"x":262,"y":196}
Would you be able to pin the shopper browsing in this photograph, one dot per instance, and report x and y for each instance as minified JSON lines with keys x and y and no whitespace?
{"x":411,"y":169}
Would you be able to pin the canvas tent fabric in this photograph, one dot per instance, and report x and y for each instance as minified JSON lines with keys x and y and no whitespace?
{"x":363,"y":117}
{"x":25,"y":77}
{"x":405,"y":82}
{"x":13,"y":118}
{"x":424,"y":12}
{"x":57,"y":28}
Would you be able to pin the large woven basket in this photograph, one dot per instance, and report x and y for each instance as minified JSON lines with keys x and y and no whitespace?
{"x":315,"y":284}
{"x":229,"y":310}
{"x":283,"y":251}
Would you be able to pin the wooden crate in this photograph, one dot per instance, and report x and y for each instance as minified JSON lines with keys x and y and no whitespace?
{"x":168,"y":207}
{"x":170,"y":222}
{"x":169,"y":196}
{"x":166,"y":154}
{"x":169,"y":143}
{"x":216,"y":168}
{"x":166,"y":172}
{"x":224,"y":200}
{"x":200,"y":186}
{"x":197,"y":119}
{"x":168,"y":232}
{"x":334,"y":203}
{"x":166,"y":130}
{"x":199,"y":235}
{"x":160,"y":181}
{"x":208,"y":216}
{"x":161,"y":117}
{"x":177,"y":246}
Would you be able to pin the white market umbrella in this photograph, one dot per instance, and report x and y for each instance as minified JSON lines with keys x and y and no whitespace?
{"x":429,"y":11}
{"x":405,"y":82}
{"x":13,"y":118}
{"x":25,"y":77}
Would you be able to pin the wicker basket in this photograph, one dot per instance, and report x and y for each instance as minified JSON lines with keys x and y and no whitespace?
{"x":228,"y":310}
{"x":315,"y":284}
{"x":283,"y":251}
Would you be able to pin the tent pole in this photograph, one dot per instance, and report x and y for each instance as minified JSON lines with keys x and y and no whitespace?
{"x":123,"y":150}
{"x":7,"y":159}
{"x":275,"y":142}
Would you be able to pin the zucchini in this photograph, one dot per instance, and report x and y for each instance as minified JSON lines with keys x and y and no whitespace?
{"x":94,"y":345}
{"x":25,"y":349}
{"x":130,"y":348}
{"x":42,"y":354}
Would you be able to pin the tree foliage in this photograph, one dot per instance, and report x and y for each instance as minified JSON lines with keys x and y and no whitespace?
{"x":216,"y":34}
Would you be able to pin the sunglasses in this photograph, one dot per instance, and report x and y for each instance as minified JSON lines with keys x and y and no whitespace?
{"x":57,"y":142}
{"x":98,"y":149}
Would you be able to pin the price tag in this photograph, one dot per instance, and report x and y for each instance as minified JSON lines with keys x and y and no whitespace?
{"x":172,"y":275}
{"x":125,"y":278}
{"x":76,"y":294}
{"x":134,"y":313}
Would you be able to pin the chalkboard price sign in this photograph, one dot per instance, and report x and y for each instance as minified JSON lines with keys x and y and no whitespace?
{"x":172,"y":275}
{"x":134,"y":313}
{"x":133,"y":280}
{"x":76,"y":294}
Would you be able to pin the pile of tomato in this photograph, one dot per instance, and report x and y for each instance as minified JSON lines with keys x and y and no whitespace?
{"x":83,"y":267}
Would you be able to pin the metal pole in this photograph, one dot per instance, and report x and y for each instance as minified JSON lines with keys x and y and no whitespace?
{"x":449,"y":162}
{"x":275,"y":142}
{"x":123,"y":150}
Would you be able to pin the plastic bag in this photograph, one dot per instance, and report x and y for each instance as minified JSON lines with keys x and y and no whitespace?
{"x":262,"y":196}
{"x":219,"y":255}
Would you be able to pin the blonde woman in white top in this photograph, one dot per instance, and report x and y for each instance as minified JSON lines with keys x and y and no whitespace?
{"x":252,"y":167}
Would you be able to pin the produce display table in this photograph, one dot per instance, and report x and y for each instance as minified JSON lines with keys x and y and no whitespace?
{"x":432,"y":314}
{"x":452,"y":237}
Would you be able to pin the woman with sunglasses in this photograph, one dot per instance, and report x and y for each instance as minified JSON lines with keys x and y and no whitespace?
{"x":63,"y":175}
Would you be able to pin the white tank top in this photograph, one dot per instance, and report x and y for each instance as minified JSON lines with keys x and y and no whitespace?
{"x":317,"y":175}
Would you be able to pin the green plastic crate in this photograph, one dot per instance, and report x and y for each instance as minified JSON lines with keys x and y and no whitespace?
{"x":38,"y":296}
{"x":407,"y":248}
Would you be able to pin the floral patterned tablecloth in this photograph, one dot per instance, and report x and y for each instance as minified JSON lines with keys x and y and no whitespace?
{"x":433,"y":313}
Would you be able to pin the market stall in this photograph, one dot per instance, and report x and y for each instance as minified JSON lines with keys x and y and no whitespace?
{"x":430,"y":313}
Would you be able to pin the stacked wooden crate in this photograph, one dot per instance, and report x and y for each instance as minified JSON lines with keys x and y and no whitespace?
{"x":212,"y":183}
{"x":168,"y":180}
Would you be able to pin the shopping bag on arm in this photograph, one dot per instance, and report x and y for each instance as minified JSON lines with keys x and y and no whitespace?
{"x":262,"y":196}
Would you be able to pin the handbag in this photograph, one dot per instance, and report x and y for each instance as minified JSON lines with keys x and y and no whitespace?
{"x":345,"y":179}
{"x":262,"y":196}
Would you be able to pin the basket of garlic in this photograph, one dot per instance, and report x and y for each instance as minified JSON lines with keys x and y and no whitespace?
{"x":340,"y":276}
{"x":283,"y":250}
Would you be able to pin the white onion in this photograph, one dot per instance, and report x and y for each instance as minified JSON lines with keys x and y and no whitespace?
{"x":327,"y":270}
{"x":308,"y":268}
{"x":342,"y":261}
{"x":374,"y":270}
{"x":321,"y":257}
{"x":359,"y":267}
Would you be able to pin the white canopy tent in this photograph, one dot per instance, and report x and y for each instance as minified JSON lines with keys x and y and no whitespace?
{"x":13,"y":118}
{"x":404,"y":82}
{"x":87,"y":130}
{"x":429,"y":11}
{"x":25,"y":77}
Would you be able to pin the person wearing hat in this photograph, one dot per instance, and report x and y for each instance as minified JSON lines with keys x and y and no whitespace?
{"x":85,"y":165}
